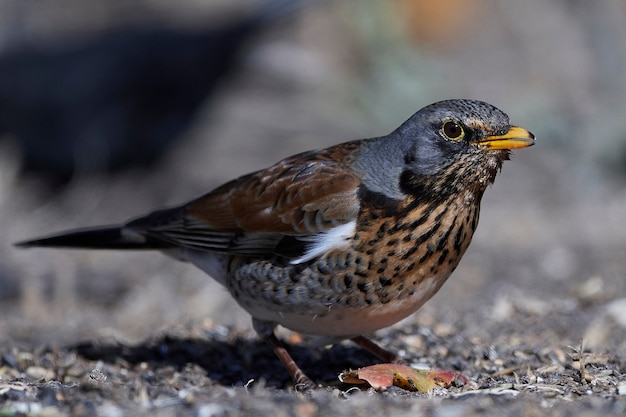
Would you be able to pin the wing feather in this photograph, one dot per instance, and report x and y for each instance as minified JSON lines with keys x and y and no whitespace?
{"x":300,"y":197}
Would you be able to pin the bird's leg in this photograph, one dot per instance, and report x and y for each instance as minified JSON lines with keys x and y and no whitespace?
{"x":302,"y":381}
{"x":382,"y":354}
{"x":266,"y":331}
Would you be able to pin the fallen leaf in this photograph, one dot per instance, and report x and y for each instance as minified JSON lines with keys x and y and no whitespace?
{"x":384,"y":375}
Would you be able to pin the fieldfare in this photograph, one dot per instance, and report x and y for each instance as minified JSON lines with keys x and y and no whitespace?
{"x":341,"y":241}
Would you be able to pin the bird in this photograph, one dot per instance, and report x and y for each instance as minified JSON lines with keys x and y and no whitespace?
{"x":338,"y":242}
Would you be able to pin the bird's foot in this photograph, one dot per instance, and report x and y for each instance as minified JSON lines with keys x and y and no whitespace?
{"x":302,"y":382}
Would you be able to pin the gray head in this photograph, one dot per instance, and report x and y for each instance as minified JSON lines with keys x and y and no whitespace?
{"x":451,"y":140}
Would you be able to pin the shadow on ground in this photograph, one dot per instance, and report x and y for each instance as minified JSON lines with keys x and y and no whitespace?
{"x":229,"y":363}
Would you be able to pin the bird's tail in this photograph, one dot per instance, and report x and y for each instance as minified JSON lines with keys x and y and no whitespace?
{"x":106,"y":237}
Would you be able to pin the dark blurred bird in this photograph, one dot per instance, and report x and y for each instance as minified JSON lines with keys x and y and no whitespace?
{"x":342,"y":241}
{"x":119,"y":98}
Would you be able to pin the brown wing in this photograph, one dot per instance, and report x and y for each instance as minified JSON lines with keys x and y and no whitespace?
{"x":300,"y":196}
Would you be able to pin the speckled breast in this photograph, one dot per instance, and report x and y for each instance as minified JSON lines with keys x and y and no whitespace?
{"x":393,"y":266}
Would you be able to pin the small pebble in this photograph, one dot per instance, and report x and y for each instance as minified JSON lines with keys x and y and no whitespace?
{"x":210,"y":410}
{"x":39,"y":372}
{"x":97,"y":376}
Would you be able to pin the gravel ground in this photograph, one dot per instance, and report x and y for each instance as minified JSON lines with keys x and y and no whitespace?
{"x":109,"y":333}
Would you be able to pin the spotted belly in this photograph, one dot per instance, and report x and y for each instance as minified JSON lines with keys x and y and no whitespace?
{"x":340,"y":320}
{"x":389,"y":270}
{"x":343,"y":293}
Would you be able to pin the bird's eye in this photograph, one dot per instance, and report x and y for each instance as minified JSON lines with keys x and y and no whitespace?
{"x":452,"y":130}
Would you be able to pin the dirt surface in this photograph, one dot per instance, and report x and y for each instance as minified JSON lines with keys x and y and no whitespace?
{"x":110,"y":334}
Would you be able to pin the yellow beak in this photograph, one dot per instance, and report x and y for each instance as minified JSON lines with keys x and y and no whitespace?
{"x":515,"y":138}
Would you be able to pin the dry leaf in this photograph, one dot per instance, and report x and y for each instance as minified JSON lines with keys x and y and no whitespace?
{"x":385,"y":375}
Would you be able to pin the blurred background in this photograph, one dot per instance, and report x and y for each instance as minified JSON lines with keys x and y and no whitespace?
{"x":112,"y":108}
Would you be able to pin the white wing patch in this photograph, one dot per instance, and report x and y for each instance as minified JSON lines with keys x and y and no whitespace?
{"x":338,"y":237}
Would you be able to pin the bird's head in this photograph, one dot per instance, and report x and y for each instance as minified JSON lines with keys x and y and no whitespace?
{"x":450,"y":131}
{"x":444,"y":147}
{"x":457,"y":144}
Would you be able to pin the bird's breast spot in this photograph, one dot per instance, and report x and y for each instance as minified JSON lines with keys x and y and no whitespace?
{"x":336,"y":238}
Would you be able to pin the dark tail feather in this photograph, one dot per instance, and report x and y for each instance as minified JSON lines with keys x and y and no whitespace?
{"x":111,"y":237}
